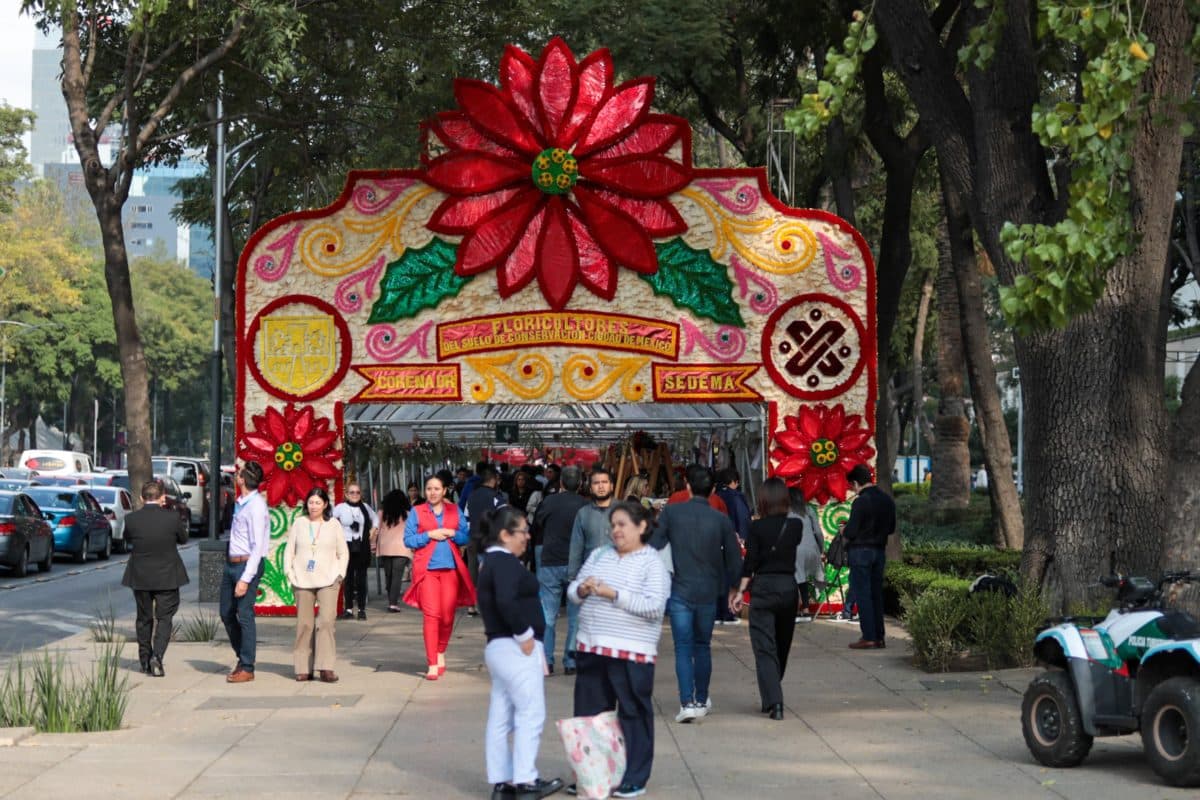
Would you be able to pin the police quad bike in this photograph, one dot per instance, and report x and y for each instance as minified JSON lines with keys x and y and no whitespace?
{"x":1137,"y":670}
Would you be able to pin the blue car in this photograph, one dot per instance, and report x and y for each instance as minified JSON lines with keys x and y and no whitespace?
{"x":80,"y":527}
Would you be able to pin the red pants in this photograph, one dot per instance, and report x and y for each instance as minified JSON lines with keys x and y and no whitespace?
{"x":439,"y":600}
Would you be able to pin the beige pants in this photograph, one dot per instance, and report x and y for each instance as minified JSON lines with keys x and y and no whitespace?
{"x":302,"y":653}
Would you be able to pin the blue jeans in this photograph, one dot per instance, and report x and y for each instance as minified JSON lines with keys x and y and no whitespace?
{"x":866,"y":584}
{"x":691,"y":628}
{"x":553,"y":582}
{"x":238,"y":614}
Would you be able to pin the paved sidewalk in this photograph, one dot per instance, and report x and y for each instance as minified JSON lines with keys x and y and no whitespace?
{"x":859,"y":725}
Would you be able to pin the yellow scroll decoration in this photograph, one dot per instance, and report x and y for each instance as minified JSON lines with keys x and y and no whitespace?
{"x":535,"y":375}
{"x":322,"y":247}
{"x":580,"y":371}
{"x":793,"y":242}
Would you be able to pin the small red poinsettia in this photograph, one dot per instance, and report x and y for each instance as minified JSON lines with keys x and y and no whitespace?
{"x":295,"y":449}
{"x":818,"y":447}
{"x":557,"y":173}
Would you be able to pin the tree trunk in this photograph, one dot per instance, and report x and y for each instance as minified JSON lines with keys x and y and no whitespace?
{"x":134,"y":373}
{"x":918,"y":362}
{"x":950,"y":458}
{"x":1008,"y":525}
{"x":1182,"y":547}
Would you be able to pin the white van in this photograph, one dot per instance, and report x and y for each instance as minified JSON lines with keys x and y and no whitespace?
{"x":55,"y":462}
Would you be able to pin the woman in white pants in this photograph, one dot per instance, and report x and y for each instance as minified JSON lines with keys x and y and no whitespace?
{"x":509,"y":602}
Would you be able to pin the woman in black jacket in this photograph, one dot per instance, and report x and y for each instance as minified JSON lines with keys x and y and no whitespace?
{"x":509,"y":603}
{"x":771,"y":565}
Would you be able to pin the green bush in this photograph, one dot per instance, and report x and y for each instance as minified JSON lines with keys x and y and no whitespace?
{"x":45,"y":694}
{"x":200,"y":628}
{"x":935,"y":620}
{"x":963,"y":561}
{"x":919,"y":523}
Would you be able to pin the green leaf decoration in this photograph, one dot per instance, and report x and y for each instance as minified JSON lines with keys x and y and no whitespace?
{"x":417,"y":280}
{"x":694,"y":281}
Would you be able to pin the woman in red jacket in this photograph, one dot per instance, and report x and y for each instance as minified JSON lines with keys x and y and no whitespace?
{"x":440,"y":581}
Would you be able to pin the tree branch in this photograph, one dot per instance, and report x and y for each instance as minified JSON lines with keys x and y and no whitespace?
{"x":943,"y":14}
{"x":713,"y":117}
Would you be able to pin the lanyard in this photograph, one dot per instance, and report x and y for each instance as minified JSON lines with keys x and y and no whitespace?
{"x":312,"y":537}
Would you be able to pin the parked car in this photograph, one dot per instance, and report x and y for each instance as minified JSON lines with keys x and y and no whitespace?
{"x":25,"y":536}
{"x":80,"y":527}
{"x":117,"y":504}
{"x":16,"y":484}
{"x":62,"y":480}
{"x":18,"y":473}
{"x":192,"y":476}
{"x":97,"y":478}
{"x":175,"y":500}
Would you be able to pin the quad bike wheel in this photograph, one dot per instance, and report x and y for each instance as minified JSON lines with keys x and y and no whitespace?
{"x":1052,"y":723}
{"x":1171,"y":731}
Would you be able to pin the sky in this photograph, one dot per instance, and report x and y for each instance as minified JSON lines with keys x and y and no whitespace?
{"x":16,"y":45}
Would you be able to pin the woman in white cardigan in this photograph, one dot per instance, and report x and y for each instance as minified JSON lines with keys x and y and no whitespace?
{"x":314,"y":560}
{"x":623,"y":592}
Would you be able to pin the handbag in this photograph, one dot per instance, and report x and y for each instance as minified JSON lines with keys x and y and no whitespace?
{"x":596,"y":750}
{"x":836,"y":555}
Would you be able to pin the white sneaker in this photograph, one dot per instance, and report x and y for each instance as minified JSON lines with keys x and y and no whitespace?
{"x":701,"y":709}
{"x":687,"y":713}
{"x":803,"y":618}
{"x":734,"y":621}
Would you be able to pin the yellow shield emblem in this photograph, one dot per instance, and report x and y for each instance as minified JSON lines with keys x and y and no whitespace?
{"x":297,"y":354}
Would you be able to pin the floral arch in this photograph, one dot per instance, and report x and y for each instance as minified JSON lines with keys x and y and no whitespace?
{"x":557,"y":245}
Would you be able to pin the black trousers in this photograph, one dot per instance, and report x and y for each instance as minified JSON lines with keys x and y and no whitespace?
{"x":356,"y":575}
{"x":155,"y":612}
{"x":604,"y":684}
{"x":772,"y":623}
{"x":393,"y":570}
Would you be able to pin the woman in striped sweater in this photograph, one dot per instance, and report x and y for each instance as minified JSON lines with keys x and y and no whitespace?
{"x":623,"y":592}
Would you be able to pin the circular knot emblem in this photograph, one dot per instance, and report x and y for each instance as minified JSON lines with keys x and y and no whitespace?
{"x":288,"y":456}
{"x":555,"y":171}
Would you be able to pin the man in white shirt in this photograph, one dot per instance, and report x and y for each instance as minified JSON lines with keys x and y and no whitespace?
{"x":249,"y":541}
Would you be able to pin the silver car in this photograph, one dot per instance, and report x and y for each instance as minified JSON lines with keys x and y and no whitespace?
{"x":117,"y":505}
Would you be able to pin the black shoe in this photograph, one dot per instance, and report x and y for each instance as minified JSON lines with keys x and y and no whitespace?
{"x":362,"y":614}
{"x":572,"y":789}
{"x":538,"y":789}
{"x":766,"y":709}
{"x":472,"y":611}
{"x":156,"y":667}
{"x":568,"y":670}
{"x":549,"y":669}
{"x":347,"y":614}
{"x":503,"y":791}
{"x":145,"y":667}
{"x":777,"y":711}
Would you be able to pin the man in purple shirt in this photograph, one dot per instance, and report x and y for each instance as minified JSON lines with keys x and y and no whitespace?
{"x":249,"y":540}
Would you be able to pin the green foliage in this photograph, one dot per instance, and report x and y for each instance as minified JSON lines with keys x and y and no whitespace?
{"x":934,"y":620}
{"x":419,"y":279}
{"x":907,"y":580}
{"x":962,"y":561}
{"x":982,"y":40}
{"x":919,"y":523}
{"x":1066,"y":262}
{"x":104,"y":627}
{"x":694,"y":281}
{"x":838,"y":80}
{"x":202,"y":627}
{"x":14,"y":159}
{"x":45,"y":693}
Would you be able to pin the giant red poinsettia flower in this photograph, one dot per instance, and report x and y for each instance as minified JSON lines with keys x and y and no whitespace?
{"x":557,"y":173}
{"x":818,"y":447}
{"x":295,"y":449}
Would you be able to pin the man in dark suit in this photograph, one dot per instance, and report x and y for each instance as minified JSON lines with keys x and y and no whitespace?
{"x":154,"y":572}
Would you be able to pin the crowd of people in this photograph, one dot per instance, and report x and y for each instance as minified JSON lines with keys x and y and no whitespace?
{"x":517,"y":548}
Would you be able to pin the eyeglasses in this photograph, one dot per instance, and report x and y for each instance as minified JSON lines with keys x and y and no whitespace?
{"x":515,"y":531}
{"x":353,"y":492}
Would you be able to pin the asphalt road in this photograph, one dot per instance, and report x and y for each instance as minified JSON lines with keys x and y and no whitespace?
{"x":41,"y":609}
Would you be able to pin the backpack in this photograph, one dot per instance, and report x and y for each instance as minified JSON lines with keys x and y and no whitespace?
{"x":836,"y":554}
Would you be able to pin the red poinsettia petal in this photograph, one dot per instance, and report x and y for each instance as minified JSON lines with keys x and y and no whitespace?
{"x":791,"y":467}
{"x":791,"y":423}
{"x":557,"y":259}
{"x":320,"y":467}
{"x":638,"y":176}
{"x":497,"y":234}
{"x":595,"y":79}
{"x":301,"y":482}
{"x":277,"y":427}
{"x":654,"y":136}
{"x":853,"y":422}
{"x":850,"y":442}
{"x":796,"y":442}
{"x":302,"y":425}
{"x":833,"y":422}
{"x":810,"y":423}
{"x":467,"y":172}
{"x":835,"y":479}
{"x":518,"y":269}
{"x":813,"y":485}
{"x":456,"y":215}
{"x":318,"y":443}
{"x":517,"y":71}
{"x":490,"y":111}
{"x":456,"y":132}
{"x":619,"y":113}
{"x":260,"y":444}
{"x":277,"y":489}
{"x":658,"y":216}
{"x":596,"y":270}
{"x":555,"y":87}
{"x":617,"y":233}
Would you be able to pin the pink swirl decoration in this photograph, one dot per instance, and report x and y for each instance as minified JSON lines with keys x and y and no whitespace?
{"x":745,"y":196}
{"x":347,"y":298}
{"x":384,"y":344}
{"x":272,"y":266}
{"x":729,"y":346}
{"x":765,"y":298}
{"x":845,"y":276}
{"x":372,"y":197}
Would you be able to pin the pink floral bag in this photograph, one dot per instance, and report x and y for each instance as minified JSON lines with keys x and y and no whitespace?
{"x":596,"y":750}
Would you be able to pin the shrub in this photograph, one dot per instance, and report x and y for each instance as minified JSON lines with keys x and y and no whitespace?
{"x":47,"y":695}
{"x":963,"y":561}
{"x":920,"y":523}
{"x":934,"y":620}
{"x":200,"y":628}
{"x":104,"y":627}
